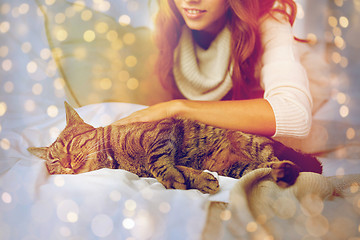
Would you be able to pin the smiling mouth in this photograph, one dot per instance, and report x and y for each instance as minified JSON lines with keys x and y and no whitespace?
{"x":193,"y":13}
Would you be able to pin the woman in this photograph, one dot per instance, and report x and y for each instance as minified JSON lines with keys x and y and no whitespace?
{"x":239,"y":51}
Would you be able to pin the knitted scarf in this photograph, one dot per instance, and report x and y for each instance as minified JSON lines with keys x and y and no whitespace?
{"x":203,"y":74}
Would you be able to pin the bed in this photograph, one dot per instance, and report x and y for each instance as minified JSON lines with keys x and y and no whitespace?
{"x":52,"y":51}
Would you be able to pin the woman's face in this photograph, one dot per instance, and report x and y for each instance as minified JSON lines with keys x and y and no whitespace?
{"x":203,"y":15}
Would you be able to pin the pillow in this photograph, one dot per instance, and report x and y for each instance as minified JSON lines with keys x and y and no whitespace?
{"x":101,"y":58}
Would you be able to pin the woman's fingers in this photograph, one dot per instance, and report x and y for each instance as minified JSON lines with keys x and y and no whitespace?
{"x":153,"y":113}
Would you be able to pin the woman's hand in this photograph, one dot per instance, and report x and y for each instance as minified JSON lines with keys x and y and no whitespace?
{"x":153,"y":113}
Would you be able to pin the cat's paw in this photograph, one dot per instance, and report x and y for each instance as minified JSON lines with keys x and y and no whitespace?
{"x":173,"y":179}
{"x":285,"y":173}
{"x":206,"y":183}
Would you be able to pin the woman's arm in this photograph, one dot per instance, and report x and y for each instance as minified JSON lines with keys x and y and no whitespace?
{"x":254,"y":116}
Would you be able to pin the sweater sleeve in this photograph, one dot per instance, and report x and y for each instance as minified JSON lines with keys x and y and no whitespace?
{"x":285,"y":83}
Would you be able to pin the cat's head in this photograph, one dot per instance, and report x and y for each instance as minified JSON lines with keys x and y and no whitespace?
{"x":75,"y":149}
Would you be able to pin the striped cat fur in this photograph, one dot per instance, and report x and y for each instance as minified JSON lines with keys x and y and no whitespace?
{"x":175,"y":151}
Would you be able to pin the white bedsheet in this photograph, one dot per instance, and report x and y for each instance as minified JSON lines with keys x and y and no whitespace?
{"x":105,"y":203}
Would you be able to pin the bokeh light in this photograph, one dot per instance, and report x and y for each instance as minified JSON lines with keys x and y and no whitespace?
{"x":60,"y":34}
{"x":59,"y":181}
{"x":128,"y":223}
{"x":68,"y":211}
{"x":3,"y":108}
{"x":164,"y":207}
{"x":72,"y":217}
{"x":225,"y":215}
{"x":60,"y":18}
{"x":6,"y":197}
{"x":30,"y":105}
{"x":45,"y":53}
{"x":32,"y":67}
{"x":339,"y":3}
{"x":59,"y":83}
{"x":344,"y":111}
{"x":79,"y":5}
{"x":5,"y":144}
{"x":101,"y":5}
{"x":124,"y":20}
{"x":89,"y":36}
{"x":101,"y":27}
{"x":4,"y":27}
{"x":350,"y":133}
{"x":112,"y":35}
{"x":26,"y":47}
{"x":115,"y":196}
{"x":9,"y":87}
{"x":131,"y":61}
{"x":37,"y":89}
{"x":332,"y":21}
{"x":129,"y":38}
{"x":344,"y":22}
{"x":7,"y":65}
{"x":132,"y":83}
{"x":251,"y":227}
{"x":86,"y":15}
{"x":102,"y":225}
{"x":24,"y":8}
{"x":52,"y":111}
{"x":50,"y":2}
{"x":130,"y":205}
{"x":105,"y":83}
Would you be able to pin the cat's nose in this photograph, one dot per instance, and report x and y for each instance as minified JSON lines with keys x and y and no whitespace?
{"x":65,"y":162}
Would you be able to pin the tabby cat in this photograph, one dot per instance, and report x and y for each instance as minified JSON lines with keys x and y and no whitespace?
{"x":175,"y":151}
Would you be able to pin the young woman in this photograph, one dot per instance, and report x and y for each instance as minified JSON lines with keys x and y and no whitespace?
{"x":231,"y":64}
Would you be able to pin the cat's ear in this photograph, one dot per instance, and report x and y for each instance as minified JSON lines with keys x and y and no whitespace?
{"x":40,"y":152}
{"x":72,"y":117}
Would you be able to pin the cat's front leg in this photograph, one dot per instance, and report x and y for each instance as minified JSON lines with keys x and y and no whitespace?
{"x":161,"y":163}
{"x":168,"y":176}
{"x":197,"y":179}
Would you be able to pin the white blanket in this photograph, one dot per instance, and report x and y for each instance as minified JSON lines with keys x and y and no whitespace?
{"x":105,"y":203}
{"x":316,"y":207}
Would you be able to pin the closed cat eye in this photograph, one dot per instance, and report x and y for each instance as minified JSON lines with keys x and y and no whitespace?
{"x":50,"y":156}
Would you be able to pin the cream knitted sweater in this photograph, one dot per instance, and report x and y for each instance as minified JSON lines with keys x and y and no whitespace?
{"x":202,"y":74}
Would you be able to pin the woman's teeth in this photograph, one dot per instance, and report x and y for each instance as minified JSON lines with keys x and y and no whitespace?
{"x":193,"y":11}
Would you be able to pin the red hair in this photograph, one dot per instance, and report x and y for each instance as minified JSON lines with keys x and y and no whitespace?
{"x":243,"y":20}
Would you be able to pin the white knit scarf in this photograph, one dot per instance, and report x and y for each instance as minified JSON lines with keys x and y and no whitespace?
{"x":203,"y":74}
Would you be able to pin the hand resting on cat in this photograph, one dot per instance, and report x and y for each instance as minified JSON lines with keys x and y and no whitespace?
{"x":175,"y":151}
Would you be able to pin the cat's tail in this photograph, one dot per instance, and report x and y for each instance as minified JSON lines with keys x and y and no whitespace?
{"x":306,"y":162}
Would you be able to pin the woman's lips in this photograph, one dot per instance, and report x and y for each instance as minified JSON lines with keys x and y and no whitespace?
{"x":193,"y":13}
